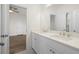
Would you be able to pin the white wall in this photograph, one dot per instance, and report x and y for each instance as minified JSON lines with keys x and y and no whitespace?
{"x":33,"y":21}
{"x":17,"y":24}
{"x":44,"y":18}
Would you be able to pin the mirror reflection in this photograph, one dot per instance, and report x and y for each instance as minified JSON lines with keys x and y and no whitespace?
{"x":58,"y":22}
{"x":64,"y":18}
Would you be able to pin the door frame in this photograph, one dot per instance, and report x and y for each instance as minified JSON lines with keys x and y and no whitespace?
{"x":28,"y":30}
{"x":26,"y":26}
{"x":4,"y":29}
{"x":0,"y":29}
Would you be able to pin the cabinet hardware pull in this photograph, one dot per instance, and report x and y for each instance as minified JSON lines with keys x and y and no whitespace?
{"x":50,"y":49}
{"x":53,"y":52}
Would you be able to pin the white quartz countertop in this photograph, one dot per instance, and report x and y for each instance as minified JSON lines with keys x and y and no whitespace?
{"x":71,"y":41}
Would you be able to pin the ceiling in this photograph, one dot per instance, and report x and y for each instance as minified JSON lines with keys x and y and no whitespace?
{"x":17,"y":10}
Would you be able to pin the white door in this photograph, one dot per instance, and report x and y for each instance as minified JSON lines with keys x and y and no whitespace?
{"x":4,"y":28}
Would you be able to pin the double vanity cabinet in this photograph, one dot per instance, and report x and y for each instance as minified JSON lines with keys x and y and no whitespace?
{"x":45,"y":45}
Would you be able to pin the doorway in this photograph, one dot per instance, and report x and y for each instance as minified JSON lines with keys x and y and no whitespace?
{"x":17,"y":29}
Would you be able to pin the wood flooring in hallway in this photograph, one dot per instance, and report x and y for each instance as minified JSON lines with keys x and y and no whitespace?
{"x":17,"y":43}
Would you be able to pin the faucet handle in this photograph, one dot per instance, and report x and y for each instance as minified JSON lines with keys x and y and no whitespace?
{"x":63,"y":34}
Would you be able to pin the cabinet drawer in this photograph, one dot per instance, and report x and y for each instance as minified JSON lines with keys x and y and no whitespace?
{"x":61,"y":48}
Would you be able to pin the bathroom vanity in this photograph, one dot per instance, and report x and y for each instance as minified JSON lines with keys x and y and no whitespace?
{"x":54,"y":43}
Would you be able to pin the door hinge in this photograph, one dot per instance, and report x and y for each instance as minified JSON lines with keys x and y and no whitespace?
{"x":1,"y":44}
{"x":4,"y":36}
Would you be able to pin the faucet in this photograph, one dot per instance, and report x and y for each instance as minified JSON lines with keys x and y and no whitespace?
{"x":62,"y":33}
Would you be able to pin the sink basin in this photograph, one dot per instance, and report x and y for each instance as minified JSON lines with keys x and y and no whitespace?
{"x":61,"y":37}
{"x":66,"y":38}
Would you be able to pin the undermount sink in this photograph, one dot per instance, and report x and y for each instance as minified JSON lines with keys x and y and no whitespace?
{"x":51,"y":34}
{"x":62,"y":37}
{"x":59,"y":36}
{"x":66,"y":38}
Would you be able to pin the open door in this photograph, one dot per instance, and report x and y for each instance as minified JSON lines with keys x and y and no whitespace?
{"x":4,"y":36}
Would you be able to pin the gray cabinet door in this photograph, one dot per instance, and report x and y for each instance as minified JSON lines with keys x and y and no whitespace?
{"x":35,"y":42}
{"x":60,"y":48}
{"x":42,"y":45}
